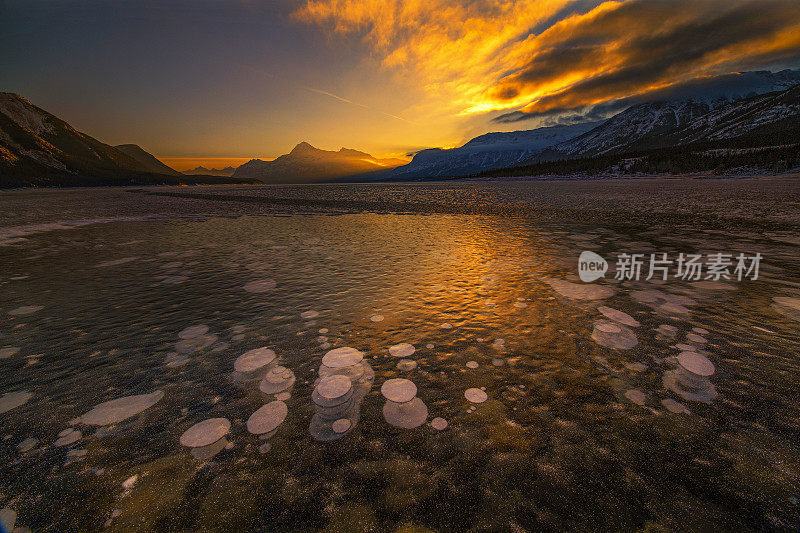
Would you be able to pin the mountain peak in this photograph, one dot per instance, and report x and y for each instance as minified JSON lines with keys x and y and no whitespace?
{"x":303,"y":148}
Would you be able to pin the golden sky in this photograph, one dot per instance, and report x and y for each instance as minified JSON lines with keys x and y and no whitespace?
{"x":237,"y":79}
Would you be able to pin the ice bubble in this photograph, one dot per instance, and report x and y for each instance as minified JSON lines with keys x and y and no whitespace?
{"x":615,"y":336}
{"x":398,"y":390}
{"x":278,"y":379}
{"x":176,"y":360}
{"x":446,"y":325}
{"x":472,"y":364}
{"x":673,"y":309}
{"x":27,"y":444}
{"x":439,"y":423}
{"x":406,"y":365}
{"x":520,"y":305}
{"x":195,"y":344}
{"x":331,"y":390}
{"x":475,"y":395}
{"x":258,"y":286}
{"x":636,"y":396}
{"x":402,"y":350}
{"x":68,"y":436}
{"x":26,"y":310}
{"x":205,"y":433}
{"x":636,"y":367}
{"x":674,"y":407}
{"x":267,"y":418}
{"x":193,"y":331}
{"x":406,"y":415}
{"x":12,"y":400}
{"x":8,"y":517}
{"x":696,"y":363}
{"x":685,"y":347}
{"x":619,"y":316}
{"x":283,"y":396}
{"x":308,"y":315}
{"x":341,"y":425}
{"x":694,"y":337}
{"x":115,"y":411}
{"x":130,"y":482}
{"x":8,"y":352}
{"x":376,"y":318}
{"x":342,"y":357}
{"x":579,"y":291}
{"x":253,"y":361}
{"x":429,"y":346}
{"x":496,"y":361}
{"x":700,"y":331}
{"x":323,"y":331}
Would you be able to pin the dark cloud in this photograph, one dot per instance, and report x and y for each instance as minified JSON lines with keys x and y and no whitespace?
{"x":644,"y":45}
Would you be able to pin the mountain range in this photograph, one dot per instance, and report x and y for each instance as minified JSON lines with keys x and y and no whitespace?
{"x":307,"y":164}
{"x":735,"y":110}
{"x":39,"y":149}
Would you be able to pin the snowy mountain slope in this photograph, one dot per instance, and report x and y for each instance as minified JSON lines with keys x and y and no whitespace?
{"x":491,"y":150}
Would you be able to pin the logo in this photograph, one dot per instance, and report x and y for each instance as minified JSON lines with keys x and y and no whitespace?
{"x":591,"y":266}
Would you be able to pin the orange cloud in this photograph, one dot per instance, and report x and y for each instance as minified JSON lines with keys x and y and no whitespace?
{"x":538,"y":57}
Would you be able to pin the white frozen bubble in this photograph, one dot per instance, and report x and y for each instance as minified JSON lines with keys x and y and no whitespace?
{"x":262,"y":285}
{"x":12,"y":400}
{"x":446,"y":325}
{"x":68,"y":436}
{"x":696,"y":363}
{"x":406,"y":415}
{"x":429,"y":346}
{"x":193,"y":331}
{"x":675,"y":407}
{"x":636,"y":396}
{"x":694,"y":337}
{"x":333,"y":388}
{"x":403,"y":349}
{"x":475,"y":395}
{"x":472,"y":364}
{"x":252,"y":361}
{"x":342,"y":357}
{"x":27,"y":444}
{"x":406,"y":365}
{"x":613,"y":335}
{"x":195,"y":344}
{"x":376,"y":318}
{"x":129,"y":483}
{"x":26,"y":310}
{"x":575,"y":291}
{"x":278,"y":379}
{"x":115,"y":411}
{"x":8,"y":352}
{"x":267,"y":418}
{"x":341,"y":425}
{"x":439,"y":423}
{"x":283,"y":396}
{"x":619,"y":316}
{"x":520,"y":305}
{"x":323,"y":331}
{"x":496,"y":361}
{"x":8,"y":518}
{"x":399,"y":390}
{"x":700,"y":331}
{"x":205,"y":433}
{"x":176,"y":360}
{"x":308,"y":315}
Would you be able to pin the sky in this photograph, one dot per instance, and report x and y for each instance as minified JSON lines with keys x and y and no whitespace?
{"x":217,"y":82}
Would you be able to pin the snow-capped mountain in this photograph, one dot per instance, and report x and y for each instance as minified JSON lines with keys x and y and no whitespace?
{"x":662,"y":124}
{"x":491,"y":150}
{"x":307,"y":164}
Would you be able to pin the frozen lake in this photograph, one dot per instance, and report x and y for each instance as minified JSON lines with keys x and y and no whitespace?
{"x":565,"y":406}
